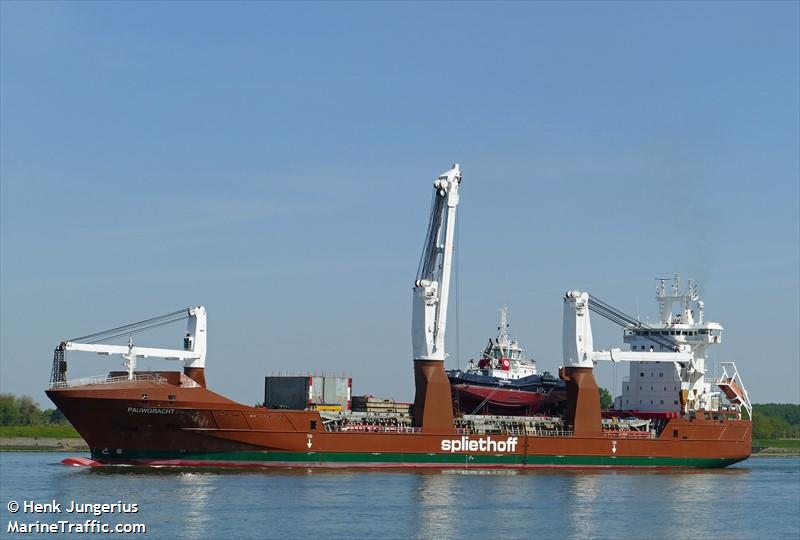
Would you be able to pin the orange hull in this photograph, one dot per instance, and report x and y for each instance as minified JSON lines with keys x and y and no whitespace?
{"x":197,"y":427}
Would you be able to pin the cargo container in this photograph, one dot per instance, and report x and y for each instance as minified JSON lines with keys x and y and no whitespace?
{"x":307,"y":392}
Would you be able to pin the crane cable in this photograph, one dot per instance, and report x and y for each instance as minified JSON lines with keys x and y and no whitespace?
{"x":133,"y":328}
{"x":626,"y":321}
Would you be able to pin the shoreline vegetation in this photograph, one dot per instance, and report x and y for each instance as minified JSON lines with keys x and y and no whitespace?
{"x":24,"y":426}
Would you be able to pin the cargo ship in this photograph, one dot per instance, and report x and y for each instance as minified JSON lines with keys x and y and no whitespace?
{"x":171,"y":418}
{"x":504,"y":381}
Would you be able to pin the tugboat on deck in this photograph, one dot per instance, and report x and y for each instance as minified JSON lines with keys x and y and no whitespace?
{"x":504,"y":381}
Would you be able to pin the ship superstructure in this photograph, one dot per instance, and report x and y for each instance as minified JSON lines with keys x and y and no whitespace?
{"x":678,"y":387}
{"x":503,"y":357}
{"x":169,"y":418}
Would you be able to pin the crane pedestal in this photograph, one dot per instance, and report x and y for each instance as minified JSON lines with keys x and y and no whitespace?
{"x":433,"y":406}
{"x":583,"y":400}
{"x":198,"y":375}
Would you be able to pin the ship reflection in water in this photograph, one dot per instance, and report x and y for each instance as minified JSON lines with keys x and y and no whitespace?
{"x":194,"y":491}
{"x":434,"y":517}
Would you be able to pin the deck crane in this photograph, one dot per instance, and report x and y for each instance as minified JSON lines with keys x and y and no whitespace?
{"x":578,"y":344}
{"x":687,"y":355}
{"x":193,"y":353}
{"x":432,"y":403}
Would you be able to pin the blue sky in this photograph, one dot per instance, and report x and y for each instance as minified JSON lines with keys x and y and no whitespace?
{"x":273,"y":162}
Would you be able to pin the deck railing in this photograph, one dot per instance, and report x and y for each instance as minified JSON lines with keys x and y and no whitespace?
{"x":105,"y":379}
{"x":372,"y":428}
{"x":629,"y":434}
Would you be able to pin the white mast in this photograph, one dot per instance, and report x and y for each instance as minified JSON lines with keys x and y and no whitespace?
{"x":432,"y":286}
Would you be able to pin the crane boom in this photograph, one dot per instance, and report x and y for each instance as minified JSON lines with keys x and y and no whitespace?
{"x":432,"y":286}
{"x":578,"y":344}
{"x":138,"y":352}
{"x":193,"y":353}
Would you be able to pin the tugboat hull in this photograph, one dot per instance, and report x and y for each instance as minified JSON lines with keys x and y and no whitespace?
{"x":477,"y":399}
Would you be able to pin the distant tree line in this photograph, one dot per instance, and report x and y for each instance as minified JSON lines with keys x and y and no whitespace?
{"x":24,"y":411}
{"x":606,"y":400}
{"x":776,"y":421}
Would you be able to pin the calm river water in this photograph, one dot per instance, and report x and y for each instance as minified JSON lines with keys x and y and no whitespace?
{"x":759,"y":498}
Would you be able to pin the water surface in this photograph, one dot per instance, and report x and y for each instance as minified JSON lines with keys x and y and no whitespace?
{"x":759,"y":498}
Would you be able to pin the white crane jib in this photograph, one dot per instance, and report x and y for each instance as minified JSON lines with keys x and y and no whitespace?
{"x":193,"y":354}
{"x":578,"y":345}
{"x":432,"y":286}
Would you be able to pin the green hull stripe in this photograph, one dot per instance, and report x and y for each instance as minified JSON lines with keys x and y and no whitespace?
{"x":410,"y":459}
